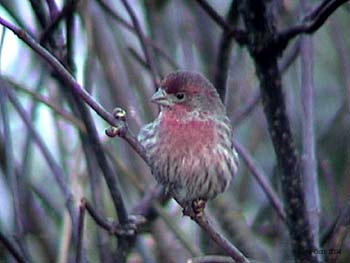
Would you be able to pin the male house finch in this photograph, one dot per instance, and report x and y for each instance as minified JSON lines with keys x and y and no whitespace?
{"x":189,"y":143}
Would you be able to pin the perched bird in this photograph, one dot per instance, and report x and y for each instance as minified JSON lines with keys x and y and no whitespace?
{"x":189,"y":143}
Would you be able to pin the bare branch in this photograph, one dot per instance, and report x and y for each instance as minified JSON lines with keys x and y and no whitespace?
{"x":261,"y":24}
{"x":261,"y":178}
{"x":61,"y":71}
{"x":11,"y":248}
{"x":59,"y":111}
{"x":66,"y":11}
{"x":238,"y":34}
{"x":129,"y":27}
{"x":81,"y":217}
{"x":311,"y":22}
{"x":209,"y":228}
{"x":339,"y":232}
{"x":211,"y":259}
{"x":148,"y":56}
{"x":309,"y":163}
{"x":55,"y":168}
{"x":224,"y":51}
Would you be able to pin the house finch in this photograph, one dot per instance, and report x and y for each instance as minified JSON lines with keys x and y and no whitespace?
{"x":189,"y":143}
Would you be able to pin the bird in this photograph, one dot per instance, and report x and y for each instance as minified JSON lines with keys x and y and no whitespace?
{"x":189,"y":144}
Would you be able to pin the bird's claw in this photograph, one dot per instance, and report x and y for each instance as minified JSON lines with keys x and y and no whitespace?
{"x":195,"y":209}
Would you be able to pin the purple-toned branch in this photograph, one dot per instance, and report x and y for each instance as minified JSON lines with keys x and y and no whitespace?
{"x":111,"y":227}
{"x":66,"y":77}
{"x":131,"y":29}
{"x":312,"y":22}
{"x":146,"y":51}
{"x":55,"y":168}
{"x":12,"y":249}
{"x":226,"y":245}
{"x":66,"y":10}
{"x":308,"y":157}
{"x":13,"y":179}
{"x":211,"y":259}
{"x":339,"y":232}
{"x":261,"y":179}
{"x":59,"y":111}
{"x":224,"y":51}
{"x":238,"y":34}
{"x":81,"y":217}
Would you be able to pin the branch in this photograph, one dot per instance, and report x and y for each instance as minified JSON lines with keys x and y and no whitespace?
{"x":211,"y":259}
{"x":131,"y":29}
{"x":111,"y":227}
{"x":261,"y":178}
{"x":81,"y":217}
{"x":311,"y":22}
{"x":13,"y":178}
{"x":238,"y":34}
{"x":57,"y":110}
{"x":309,"y":164}
{"x":78,"y":91}
{"x":228,"y":247}
{"x":61,"y":71}
{"x":261,"y":24}
{"x":338,"y":234}
{"x":11,"y":248}
{"x":223,"y":58}
{"x":148,"y":56}
{"x":66,"y":11}
{"x":55,"y":168}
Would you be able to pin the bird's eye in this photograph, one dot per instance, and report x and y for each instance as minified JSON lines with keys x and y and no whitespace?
{"x":180,"y":96}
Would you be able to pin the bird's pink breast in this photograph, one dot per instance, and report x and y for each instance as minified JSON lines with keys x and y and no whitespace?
{"x":182,"y":133}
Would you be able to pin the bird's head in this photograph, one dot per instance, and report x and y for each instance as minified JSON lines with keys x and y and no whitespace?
{"x":186,"y":91}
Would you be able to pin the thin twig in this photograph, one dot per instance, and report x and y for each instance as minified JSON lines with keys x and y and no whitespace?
{"x":130,"y":28}
{"x":147,"y":53}
{"x":66,"y":10}
{"x":224,"y":51}
{"x":261,"y":179}
{"x":61,"y":71}
{"x":39,"y":11}
{"x":111,"y":227}
{"x":311,"y":22}
{"x":251,"y":104}
{"x":55,"y":168}
{"x":13,"y":179}
{"x":59,"y":111}
{"x":338,"y":234}
{"x":11,"y":248}
{"x":81,"y":218}
{"x":238,"y":34}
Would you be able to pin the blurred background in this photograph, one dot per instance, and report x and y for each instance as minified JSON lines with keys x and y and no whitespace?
{"x":98,"y":44}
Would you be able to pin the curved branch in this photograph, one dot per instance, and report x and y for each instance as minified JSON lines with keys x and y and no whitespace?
{"x":141,"y":37}
{"x":209,"y":228}
{"x":130,"y":28}
{"x":11,"y":248}
{"x":260,"y":177}
{"x":67,"y":10}
{"x":311,"y":22}
{"x":238,"y":34}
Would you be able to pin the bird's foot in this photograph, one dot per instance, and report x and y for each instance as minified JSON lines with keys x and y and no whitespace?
{"x":195,"y":209}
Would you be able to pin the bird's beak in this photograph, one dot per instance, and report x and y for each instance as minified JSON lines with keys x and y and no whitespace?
{"x":160,"y":98}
